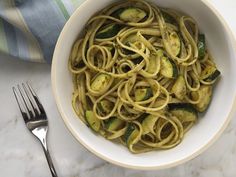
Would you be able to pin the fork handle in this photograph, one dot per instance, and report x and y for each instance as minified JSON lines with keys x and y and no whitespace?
{"x":42,"y":136}
{"x":43,"y":141}
{"x":49,"y":160}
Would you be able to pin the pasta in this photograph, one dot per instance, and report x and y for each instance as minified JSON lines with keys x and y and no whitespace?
{"x":141,"y":75}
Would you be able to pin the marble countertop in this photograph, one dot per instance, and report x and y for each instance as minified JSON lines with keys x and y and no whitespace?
{"x":22,"y":156}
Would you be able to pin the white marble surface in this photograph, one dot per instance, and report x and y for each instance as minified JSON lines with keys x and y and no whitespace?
{"x":22,"y":156}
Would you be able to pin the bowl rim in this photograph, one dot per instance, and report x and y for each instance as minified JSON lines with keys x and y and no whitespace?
{"x":164,"y":166}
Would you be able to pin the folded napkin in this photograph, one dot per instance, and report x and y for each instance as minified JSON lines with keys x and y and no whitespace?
{"x":29,"y":28}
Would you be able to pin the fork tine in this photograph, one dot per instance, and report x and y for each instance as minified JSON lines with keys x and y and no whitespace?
{"x":24,"y":100}
{"x":29,"y":95}
{"x":39,"y":104}
{"x":24,"y":114}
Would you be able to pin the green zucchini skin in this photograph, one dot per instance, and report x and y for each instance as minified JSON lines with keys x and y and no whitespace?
{"x":201,"y":46}
{"x":205,"y":93}
{"x":132,"y":14}
{"x":130,"y":129}
{"x":143,"y":94}
{"x":169,"y":68}
{"x":183,"y":111}
{"x":186,"y":106}
{"x":142,"y":117}
{"x":138,"y":60}
{"x":148,"y":124}
{"x":168,"y":18}
{"x":213,"y":76}
{"x":113,"y":124}
{"x":105,"y":106}
{"x":175,"y":69}
{"x":108,"y":31}
{"x":93,"y":122}
{"x":117,"y":13}
{"x":210,"y":74}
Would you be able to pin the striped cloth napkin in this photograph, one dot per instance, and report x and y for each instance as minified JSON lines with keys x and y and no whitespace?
{"x":29,"y":28}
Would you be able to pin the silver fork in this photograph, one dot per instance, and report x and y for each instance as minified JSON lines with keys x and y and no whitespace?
{"x":34,"y":116}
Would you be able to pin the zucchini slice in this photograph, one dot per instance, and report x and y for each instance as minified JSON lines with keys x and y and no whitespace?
{"x":168,"y":68}
{"x":185,"y":112}
{"x":143,"y":94}
{"x":108,"y":31}
{"x":148,"y":123}
{"x":105,"y":106}
{"x":205,"y":94}
{"x":142,"y":117}
{"x":152,"y":64}
{"x":100,"y":82}
{"x":201,"y":46}
{"x":130,"y":134}
{"x":114,"y":123}
{"x":210,"y":73}
{"x":117,"y":13}
{"x":137,"y":61}
{"x":175,"y":43}
{"x":132,"y":14}
{"x":179,"y":88}
{"x":168,"y":18}
{"x":131,"y":39}
{"x":92,"y":121}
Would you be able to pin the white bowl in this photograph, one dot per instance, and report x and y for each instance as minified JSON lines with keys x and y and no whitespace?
{"x":221,"y":44}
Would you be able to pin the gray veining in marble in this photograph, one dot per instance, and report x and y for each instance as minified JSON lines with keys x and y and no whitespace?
{"x":22,"y":156}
